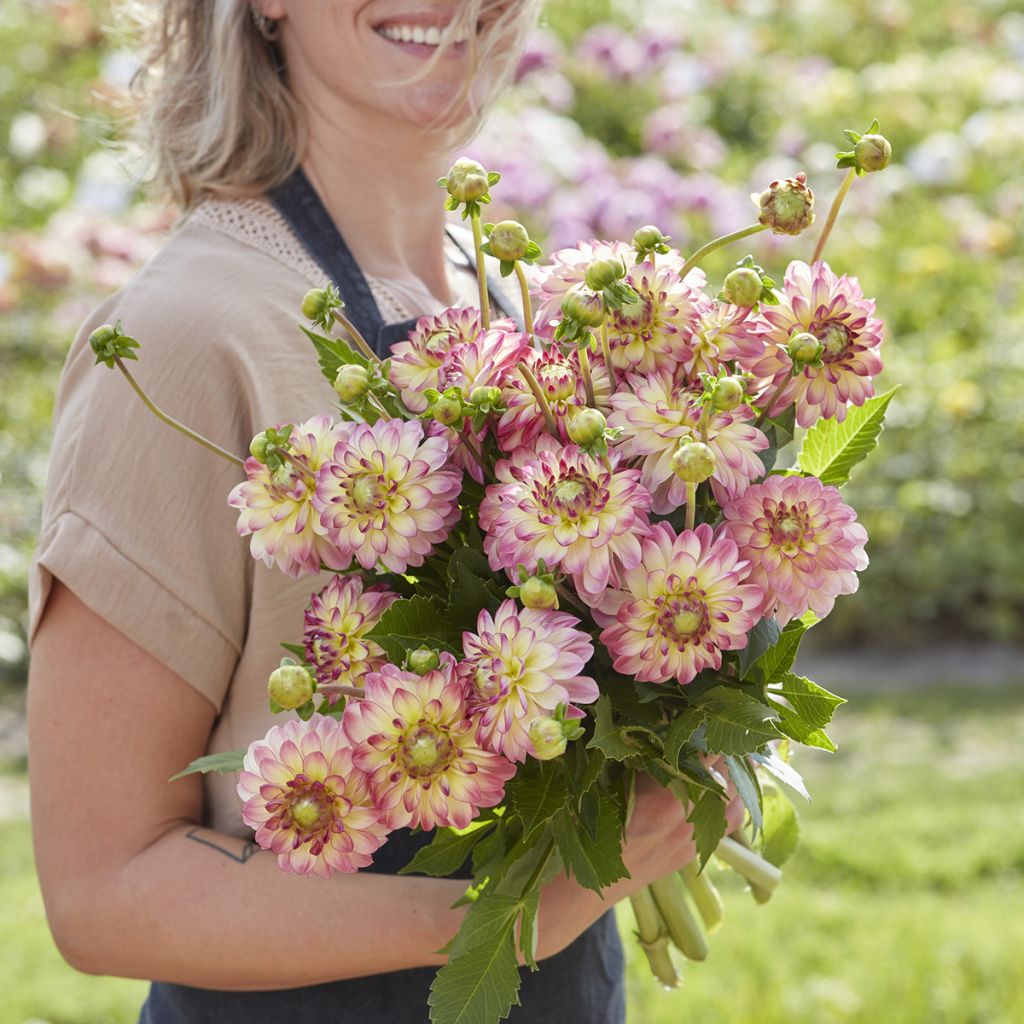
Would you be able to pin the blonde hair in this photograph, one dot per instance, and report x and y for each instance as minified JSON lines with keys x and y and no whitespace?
{"x":214,"y":112}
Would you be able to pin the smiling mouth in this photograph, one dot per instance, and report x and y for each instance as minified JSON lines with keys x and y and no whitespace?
{"x":423,"y":37}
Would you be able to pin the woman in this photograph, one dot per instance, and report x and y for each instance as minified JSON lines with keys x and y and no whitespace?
{"x":304,"y":139}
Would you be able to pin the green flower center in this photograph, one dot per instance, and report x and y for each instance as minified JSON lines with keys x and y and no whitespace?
{"x":368,"y":493}
{"x":791,"y":529}
{"x":635,"y":317}
{"x":557,"y":381}
{"x":683,"y":615}
{"x":426,"y":750}
{"x":306,"y":811}
{"x":836,"y":340}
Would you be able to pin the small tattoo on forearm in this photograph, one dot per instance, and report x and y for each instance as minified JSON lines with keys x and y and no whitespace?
{"x":240,"y":851}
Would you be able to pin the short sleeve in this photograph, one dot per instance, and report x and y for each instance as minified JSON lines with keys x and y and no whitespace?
{"x":135,"y":515}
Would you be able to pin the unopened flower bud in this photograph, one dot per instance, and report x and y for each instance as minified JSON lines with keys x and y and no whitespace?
{"x":787,"y":206}
{"x":587,"y":426}
{"x":804,"y":348}
{"x":467,"y":180}
{"x":648,"y":237}
{"x":447,"y":411}
{"x":583,"y":306}
{"x":423,"y":660}
{"x":485,"y":395}
{"x":315,"y":303}
{"x":548,"y":738}
{"x":728,"y":394}
{"x":259,"y":446}
{"x":693,"y":462}
{"x":873,"y":152}
{"x":604,"y":272}
{"x":538,"y":593}
{"x":290,"y":686}
{"x":352,"y":382}
{"x":742,"y":287}
{"x":508,"y":240}
{"x":102,"y":337}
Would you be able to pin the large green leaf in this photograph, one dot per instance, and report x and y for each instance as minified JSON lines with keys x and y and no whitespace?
{"x":539,"y":799}
{"x":748,"y":787}
{"x":480,"y":986}
{"x":760,"y":639}
{"x":607,"y":736}
{"x":781,"y":826}
{"x":831,"y":449}
{"x":783,"y":771}
{"x":780,"y":657}
{"x":736,"y":723}
{"x":595,"y":860}
{"x":680,"y":732}
{"x":225,"y":761}
{"x":414,"y":622}
{"x":813,"y":703}
{"x":707,"y":815}
{"x":448,"y":851}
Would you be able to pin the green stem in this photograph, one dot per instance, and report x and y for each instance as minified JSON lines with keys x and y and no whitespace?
{"x":717,"y":243}
{"x":833,"y":213}
{"x":653,"y":938}
{"x":172,"y":422}
{"x":753,"y":867}
{"x":684,"y":928}
{"x":329,"y":689}
{"x":524,"y":291}
{"x":606,"y":351}
{"x":549,"y":417}
{"x":705,"y":421}
{"x":588,"y":381}
{"x":538,"y":871}
{"x":766,"y":408}
{"x":373,"y":400}
{"x":354,"y":336}
{"x":705,"y":896}
{"x":691,"y":505}
{"x":760,"y":895}
{"x":481,"y":270}
{"x":570,"y":597}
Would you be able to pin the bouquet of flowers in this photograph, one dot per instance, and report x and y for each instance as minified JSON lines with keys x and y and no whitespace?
{"x":563,"y":555}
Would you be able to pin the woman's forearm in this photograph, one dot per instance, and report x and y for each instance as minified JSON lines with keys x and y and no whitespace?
{"x":201,"y":908}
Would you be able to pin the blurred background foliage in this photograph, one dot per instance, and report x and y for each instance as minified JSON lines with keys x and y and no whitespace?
{"x":669,"y":112}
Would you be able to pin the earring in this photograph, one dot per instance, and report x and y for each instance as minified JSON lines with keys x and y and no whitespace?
{"x":267,"y":27}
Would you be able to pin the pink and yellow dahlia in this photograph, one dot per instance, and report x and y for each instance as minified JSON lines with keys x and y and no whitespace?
{"x":276,"y":506}
{"x":334,"y":632}
{"x":655,"y":412}
{"x":558,"y":375}
{"x":387,"y":496}
{"x":415,"y":739}
{"x":683,"y":605}
{"x":520,"y":665}
{"x":835,"y":311}
{"x":416,"y":363}
{"x":306,"y":800}
{"x":557,"y":503}
{"x":804,"y":545}
{"x":721,"y":334}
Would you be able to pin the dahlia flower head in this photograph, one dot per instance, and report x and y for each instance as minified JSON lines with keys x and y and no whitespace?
{"x":416,"y":740}
{"x":519,"y":665}
{"x":559,"y":377}
{"x":387,"y":494}
{"x":556,"y":503}
{"x":276,"y":506}
{"x":675,"y":612}
{"x":654,"y":412}
{"x":335,"y":627}
{"x":804,"y":545}
{"x":721,"y":334}
{"x":834,"y":310}
{"x":306,"y":800}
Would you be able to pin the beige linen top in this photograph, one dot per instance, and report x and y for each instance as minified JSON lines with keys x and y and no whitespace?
{"x":135,"y":516}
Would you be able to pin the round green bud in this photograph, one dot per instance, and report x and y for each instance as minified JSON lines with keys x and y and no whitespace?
{"x":587,"y":426}
{"x":538,"y":593}
{"x":604,"y":272}
{"x":728,"y":394}
{"x":102,"y":337}
{"x":352,"y":382}
{"x":648,"y":237}
{"x":467,"y":180}
{"x":509,"y":240}
{"x":548,"y":738}
{"x":693,"y":461}
{"x":742,"y":287}
{"x":259,"y":447}
{"x":423,"y":660}
{"x":447,"y":411}
{"x":787,"y":206}
{"x":290,"y":686}
{"x":873,"y":152}
{"x":583,"y":306}
{"x":315,"y":303}
{"x":804,"y":348}
{"x":485,"y":395}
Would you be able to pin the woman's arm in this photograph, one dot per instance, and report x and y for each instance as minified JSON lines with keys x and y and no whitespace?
{"x":133,"y":887}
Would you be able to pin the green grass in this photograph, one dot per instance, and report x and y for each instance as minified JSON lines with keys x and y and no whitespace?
{"x":903,"y":905}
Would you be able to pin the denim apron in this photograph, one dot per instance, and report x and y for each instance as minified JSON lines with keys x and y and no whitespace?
{"x":585,"y":982}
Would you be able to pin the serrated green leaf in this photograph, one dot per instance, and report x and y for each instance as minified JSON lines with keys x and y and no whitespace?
{"x":735,"y":723}
{"x":748,"y":787}
{"x":783,"y":771}
{"x":607,"y":737}
{"x":781,"y":826}
{"x":539,"y":799}
{"x":797,"y":729}
{"x":760,"y":639}
{"x":448,"y":851}
{"x":491,"y":915}
{"x":479,"y":986}
{"x":779,"y":658}
{"x":473,"y":587}
{"x":812,"y":703}
{"x":831,"y":449}
{"x":225,"y":761}
{"x":707,"y":815}
{"x":528,"y":929}
{"x":679,"y":733}
{"x":594,"y":860}
{"x":333,"y":353}
{"x":414,"y":622}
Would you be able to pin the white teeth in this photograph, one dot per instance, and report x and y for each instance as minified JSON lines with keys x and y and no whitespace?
{"x":431,"y":36}
{"x":419,"y":35}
